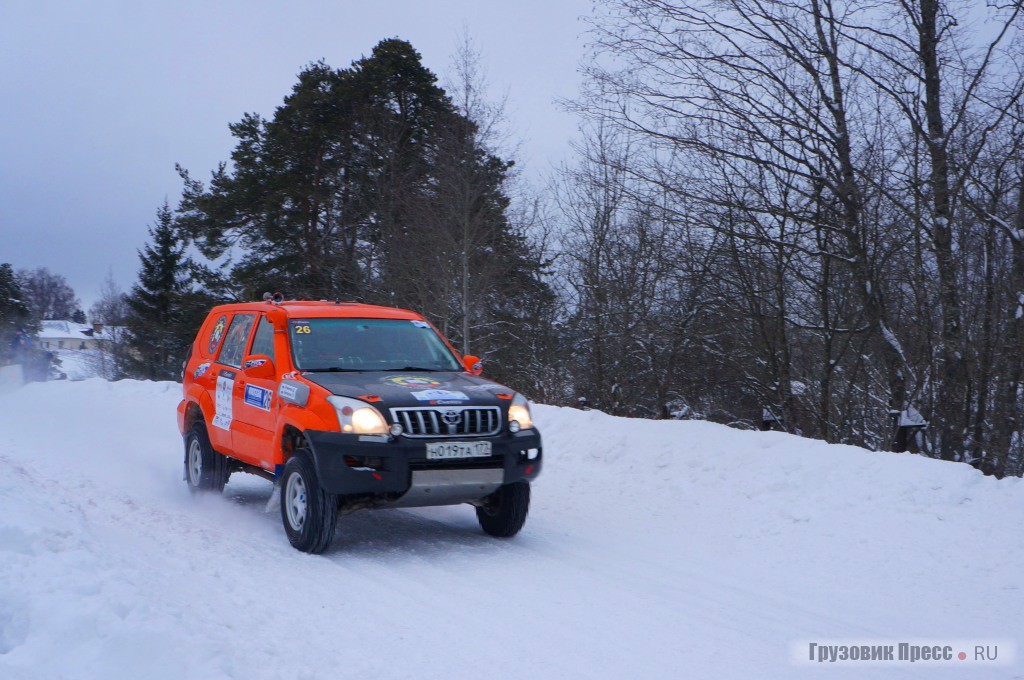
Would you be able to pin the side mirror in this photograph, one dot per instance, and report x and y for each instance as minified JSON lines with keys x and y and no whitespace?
{"x":473,"y":364}
{"x":259,"y":366}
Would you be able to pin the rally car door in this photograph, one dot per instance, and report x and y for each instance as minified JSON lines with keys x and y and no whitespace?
{"x":256,"y":403}
{"x":229,"y":386}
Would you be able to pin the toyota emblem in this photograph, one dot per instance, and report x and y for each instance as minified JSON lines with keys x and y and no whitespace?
{"x":451,"y":417}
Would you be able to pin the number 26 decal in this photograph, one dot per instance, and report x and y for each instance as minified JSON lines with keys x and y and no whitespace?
{"x":301,"y":330}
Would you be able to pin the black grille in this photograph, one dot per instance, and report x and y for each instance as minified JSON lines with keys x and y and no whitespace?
{"x":451,"y":421}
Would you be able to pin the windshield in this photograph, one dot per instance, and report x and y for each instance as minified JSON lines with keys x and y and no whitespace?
{"x":368,"y":345}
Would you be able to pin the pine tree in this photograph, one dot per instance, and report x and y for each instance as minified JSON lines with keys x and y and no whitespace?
{"x":162,"y":307}
{"x":369,"y":183}
{"x":13,"y":310}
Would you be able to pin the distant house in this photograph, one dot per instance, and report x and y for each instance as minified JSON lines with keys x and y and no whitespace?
{"x":56,"y":335}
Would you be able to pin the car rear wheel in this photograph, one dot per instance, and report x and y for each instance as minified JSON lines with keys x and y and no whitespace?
{"x":309,"y":513}
{"x":205,"y":469}
{"x":503,"y":513}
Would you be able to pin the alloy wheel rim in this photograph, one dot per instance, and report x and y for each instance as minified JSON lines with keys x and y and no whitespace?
{"x":195,"y":462}
{"x":295,"y":502}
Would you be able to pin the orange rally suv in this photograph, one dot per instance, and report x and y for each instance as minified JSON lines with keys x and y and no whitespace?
{"x":346,"y":406}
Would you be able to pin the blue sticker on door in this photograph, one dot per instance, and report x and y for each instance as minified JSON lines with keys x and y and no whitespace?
{"x":258,"y":397}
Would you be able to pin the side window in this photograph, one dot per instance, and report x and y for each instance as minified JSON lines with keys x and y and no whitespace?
{"x":216,"y":335}
{"x":263,"y":343}
{"x":234,"y":342}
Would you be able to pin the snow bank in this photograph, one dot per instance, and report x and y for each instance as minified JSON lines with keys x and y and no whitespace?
{"x":11,"y":378}
{"x":80,"y":364}
{"x":653,"y":549}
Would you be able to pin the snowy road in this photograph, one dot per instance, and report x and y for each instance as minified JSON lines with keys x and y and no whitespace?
{"x":653,"y":550}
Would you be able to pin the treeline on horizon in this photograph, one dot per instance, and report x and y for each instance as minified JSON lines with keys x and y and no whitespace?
{"x":804,"y":215}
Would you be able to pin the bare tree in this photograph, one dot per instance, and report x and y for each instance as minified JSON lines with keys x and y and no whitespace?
{"x":109,"y":314}
{"x":748,"y":102}
{"x":48,"y":295}
{"x":955,"y":85}
{"x":638,"y":287}
{"x":826,"y":147}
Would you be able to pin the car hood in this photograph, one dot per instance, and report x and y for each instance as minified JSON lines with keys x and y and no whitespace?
{"x":400,"y":388}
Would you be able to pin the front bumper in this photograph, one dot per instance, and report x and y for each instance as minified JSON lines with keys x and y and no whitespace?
{"x":352,"y":465}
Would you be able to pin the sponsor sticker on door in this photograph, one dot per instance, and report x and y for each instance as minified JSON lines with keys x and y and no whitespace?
{"x":222,"y":402}
{"x":258,"y":397}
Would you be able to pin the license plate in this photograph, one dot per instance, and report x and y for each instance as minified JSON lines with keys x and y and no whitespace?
{"x":447,"y":450}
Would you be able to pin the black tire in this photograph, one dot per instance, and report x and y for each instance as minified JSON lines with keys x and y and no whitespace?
{"x":503,"y":513}
{"x":309,"y":513}
{"x":205,"y":469}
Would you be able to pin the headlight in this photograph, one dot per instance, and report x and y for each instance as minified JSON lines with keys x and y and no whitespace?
{"x":519,"y":413}
{"x":358,"y":417}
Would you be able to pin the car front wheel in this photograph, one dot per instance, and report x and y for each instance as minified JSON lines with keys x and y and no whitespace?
{"x":309,"y":513}
{"x":503,"y":513}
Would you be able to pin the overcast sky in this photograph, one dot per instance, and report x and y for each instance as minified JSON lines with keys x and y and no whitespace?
{"x":99,"y":100}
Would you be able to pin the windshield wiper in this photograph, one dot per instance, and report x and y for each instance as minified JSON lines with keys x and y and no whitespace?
{"x":414,"y":368}
{"x":332,"y":369}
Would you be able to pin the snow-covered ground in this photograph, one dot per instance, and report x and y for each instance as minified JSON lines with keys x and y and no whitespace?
{"x":653,"y":550}
{"x":81,"y":364}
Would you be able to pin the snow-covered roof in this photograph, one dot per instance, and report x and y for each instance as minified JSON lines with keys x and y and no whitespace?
{"x":56,"y":329}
